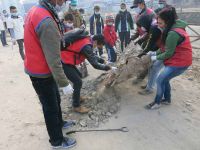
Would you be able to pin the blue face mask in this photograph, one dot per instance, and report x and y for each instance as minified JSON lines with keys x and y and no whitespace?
{"x":138,"y":10}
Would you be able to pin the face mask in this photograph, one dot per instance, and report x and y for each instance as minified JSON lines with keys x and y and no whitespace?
{"x":138,"y":10}
{"x":123,"y":10}
{"x":161,"y":29}
{"x":97,"y":12}
{"x":14,"y":14}
{"x":110,"y":23}
{"x":73,"y":7}
{"x":161,"y":5}
{"x":69,"y":25}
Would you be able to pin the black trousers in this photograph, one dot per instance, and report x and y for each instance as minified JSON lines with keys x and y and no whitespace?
{"x":74,"y":76}
{"x":124,"y":38}
{"x":48,"y":93}
{"x":21,"y":47}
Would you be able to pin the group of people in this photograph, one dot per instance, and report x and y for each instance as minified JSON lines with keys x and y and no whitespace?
{"x":56,"y":42}
{"x":14,"y":24}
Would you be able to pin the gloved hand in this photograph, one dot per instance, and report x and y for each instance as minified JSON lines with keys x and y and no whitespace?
{"x":82,"y":26}
{"x":13,"y":41}
{"x":114,"y":69}
{"x":115,"y":49}
{"x":67,"y":89}
{"x":153,"y":58}
{"x":151,"y":53}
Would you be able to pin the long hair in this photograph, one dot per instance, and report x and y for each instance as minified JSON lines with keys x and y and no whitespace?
{"x":169,"y":16}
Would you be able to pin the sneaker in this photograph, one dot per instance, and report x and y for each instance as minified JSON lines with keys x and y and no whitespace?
{"x":67,"y":143}
{"x":68,"y":124}
{"x":81,"y":109}
{"x":153,"y":105}
{"x":165,"y":102}
{"x":145,"y":92}
{"x":136,"y":81}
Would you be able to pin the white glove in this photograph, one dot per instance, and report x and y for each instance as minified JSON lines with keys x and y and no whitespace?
{"x":153,"y":58}
{"x":13,"y":41}
{"x":150,"y":53}
{"x":114,"y":69}
{"x":115,"y":49}
{"x":82,"y":26}
{"x":67,"y":89}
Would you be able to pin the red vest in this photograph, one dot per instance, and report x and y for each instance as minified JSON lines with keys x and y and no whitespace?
{"x":72,"y":55}
{"x":183,"y":53}
{"x":35,"y":62}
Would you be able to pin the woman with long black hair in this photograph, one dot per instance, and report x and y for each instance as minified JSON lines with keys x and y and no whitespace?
{"x":175,"y":51}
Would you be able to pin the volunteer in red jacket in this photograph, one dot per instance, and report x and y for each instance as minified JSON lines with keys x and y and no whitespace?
{"x":74,"y":55}
{"x":42,"y":63}
{"x":175,"y":51}
{"x":110,"y":38}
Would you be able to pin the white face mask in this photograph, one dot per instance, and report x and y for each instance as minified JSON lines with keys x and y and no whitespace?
{"x":97,"y":12}
{"x":110,"y":23}
{"x":73,"y":7}
{"x":59,"y":8}
{"x":69,"y":25}
{"x":123,"y":10}
{"x":138,"y":10}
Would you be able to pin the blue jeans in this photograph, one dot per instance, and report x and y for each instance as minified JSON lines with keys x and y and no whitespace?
{"x":163,"y":82}
{"x":3,"y":38}
{"x":154,"y":71}
{"x":112,"y":56}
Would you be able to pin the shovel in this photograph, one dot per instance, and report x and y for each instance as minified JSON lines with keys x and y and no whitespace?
{"x":123,"y":129}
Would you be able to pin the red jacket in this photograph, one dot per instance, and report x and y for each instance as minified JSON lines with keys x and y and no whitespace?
{"x":110,"y":35}
{"x":183,"y":53}
{"x":35,"y":62}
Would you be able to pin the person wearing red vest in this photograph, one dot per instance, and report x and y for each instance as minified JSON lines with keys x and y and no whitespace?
{"x":74,"y":55}
{"x":175,"y":51}
{"x":42,"y":38}
{"x":110,"y":36}
{"x":141,"y":9}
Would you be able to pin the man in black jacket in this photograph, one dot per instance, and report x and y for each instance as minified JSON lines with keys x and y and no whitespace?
{"x":123,"y":24}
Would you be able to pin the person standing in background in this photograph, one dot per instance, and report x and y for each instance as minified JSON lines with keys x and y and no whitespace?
{"x":3,"y":32}
{"x":123,"y":24}
{"x":16,"y":28}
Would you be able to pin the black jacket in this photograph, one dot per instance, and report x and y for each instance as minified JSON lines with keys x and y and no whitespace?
{"x":95,"y":61}
{"x":122,"y":20}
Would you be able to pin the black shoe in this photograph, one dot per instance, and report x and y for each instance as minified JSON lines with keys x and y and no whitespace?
{"x":153,"y":105}
{"x":165,"y":102}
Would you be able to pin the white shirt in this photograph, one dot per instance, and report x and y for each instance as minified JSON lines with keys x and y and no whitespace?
{"x":18,"y":27}
{"x":2,"y":28}
{"x":9,"y":23}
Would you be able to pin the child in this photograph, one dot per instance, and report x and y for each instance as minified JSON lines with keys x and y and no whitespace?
{"x":110,"y":38}
{"x":68,"y":22}
{"x":98,"y":43}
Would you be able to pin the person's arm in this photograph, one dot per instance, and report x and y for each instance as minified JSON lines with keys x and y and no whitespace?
{"x":91,"y":25}
{"x":102,"y":23}
{"x":130,"y":20}
{"x":93,"y":59}
{"x":117,"y":20}
{"x":49,"y":37}
{"x":170,"y":46}
{"x":154,"y":36}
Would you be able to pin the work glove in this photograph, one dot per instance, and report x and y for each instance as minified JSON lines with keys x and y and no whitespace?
{"x":67,"y":89}
{"x":114,"y":70}
{"x":151,"y":53}
{"x":13,"y":41}
{"x":153,"y":58}
{"x":83,"y":26}
{"x":114,"y":48}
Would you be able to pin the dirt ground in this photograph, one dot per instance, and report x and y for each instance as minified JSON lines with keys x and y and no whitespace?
{"x":174,"y":127}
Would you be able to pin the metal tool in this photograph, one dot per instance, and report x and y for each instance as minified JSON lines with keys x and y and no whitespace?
{"x":123,"y":129}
